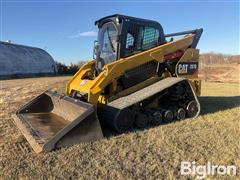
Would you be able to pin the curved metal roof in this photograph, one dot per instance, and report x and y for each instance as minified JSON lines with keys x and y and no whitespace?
{"x":19,"y":59}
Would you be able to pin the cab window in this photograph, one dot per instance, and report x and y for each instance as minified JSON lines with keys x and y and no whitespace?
{"x":140,"y":38}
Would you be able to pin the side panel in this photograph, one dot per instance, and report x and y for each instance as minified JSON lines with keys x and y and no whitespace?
{"x":187,"y":67}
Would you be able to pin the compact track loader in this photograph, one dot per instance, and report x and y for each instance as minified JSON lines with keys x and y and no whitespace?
{"x":137,"y":78}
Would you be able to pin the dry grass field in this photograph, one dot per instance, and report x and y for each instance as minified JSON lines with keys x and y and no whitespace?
{"x":224,"y":72}
{"x":153,"y":153}
{"x":219,"y":67}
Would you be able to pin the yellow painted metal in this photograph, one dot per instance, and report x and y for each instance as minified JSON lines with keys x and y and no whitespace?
{"x":191,"y":55}
{"x":196,"y":84}
{"x":77,"y":81}
{"x":102,"y":99}
{"x":111,"y":72}
{"x":135,"y":88}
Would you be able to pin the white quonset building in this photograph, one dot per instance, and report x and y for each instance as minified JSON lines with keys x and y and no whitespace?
{"x":19,"y":60}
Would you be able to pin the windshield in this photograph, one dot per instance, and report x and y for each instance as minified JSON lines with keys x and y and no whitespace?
{"x":107,"y":38}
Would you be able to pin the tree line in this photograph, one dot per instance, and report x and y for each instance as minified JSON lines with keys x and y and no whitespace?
{"x":205,"y":59}
{"x":64,"y":69}
{"x":218,"y":58}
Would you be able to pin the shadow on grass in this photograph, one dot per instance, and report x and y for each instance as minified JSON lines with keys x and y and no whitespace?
{"x":212,"y":104}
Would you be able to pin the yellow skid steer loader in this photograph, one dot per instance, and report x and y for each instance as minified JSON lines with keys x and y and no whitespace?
{"x":137,"y":79}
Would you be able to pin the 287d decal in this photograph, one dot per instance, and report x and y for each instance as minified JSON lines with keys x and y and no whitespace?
{"x":187,"y":68}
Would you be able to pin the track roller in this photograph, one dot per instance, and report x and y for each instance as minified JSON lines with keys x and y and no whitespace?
{"x":168,"y":116}
{"x":181,"y":114}
{"x":120,"y":120}
{"x":157,"y":118}
{"x":123,"y":121}
{"x":141,"y":120}
{"x":192,"y":109}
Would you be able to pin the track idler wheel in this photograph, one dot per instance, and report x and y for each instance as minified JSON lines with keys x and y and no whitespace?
{"x":192,"y":109}
{"x":168,"y":116}
{"x":157,"y":118}
{"x":123,"y":121}
{"x":181,"y":114}
{"x":141,"y":121}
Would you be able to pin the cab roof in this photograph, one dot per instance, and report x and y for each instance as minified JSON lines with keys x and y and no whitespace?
{"x":121,"y":17}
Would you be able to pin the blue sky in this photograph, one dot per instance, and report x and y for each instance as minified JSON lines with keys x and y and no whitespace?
{"x":66,"y":28}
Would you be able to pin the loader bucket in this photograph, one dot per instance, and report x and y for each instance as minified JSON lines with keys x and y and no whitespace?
{"x":52,"y":121}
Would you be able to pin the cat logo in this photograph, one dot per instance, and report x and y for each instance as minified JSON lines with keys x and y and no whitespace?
{"x":183,"y":68}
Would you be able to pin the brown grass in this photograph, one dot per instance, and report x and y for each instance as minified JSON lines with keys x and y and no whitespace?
{"x":156,"y":152}
{"x":220,"y":72}
{"x":219,"y":67}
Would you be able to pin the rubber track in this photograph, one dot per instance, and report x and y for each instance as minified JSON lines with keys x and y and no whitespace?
{"x":146,"y":92}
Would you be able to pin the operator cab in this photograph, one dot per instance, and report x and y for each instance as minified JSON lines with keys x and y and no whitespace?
{"x":121,"y":36}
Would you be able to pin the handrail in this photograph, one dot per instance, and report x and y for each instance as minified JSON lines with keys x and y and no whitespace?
{"x":182,"y":33}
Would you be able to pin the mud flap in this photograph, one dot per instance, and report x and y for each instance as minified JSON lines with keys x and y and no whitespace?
{"x":52,"y":121}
